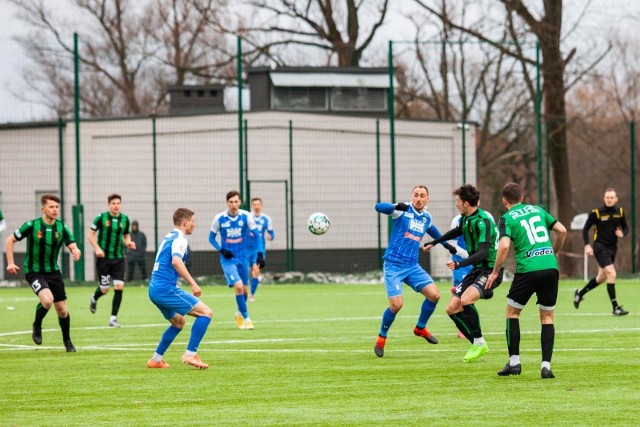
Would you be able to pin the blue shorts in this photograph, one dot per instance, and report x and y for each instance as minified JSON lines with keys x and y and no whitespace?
{"x":459,"y":274}
{"x":413,"y":275}
{"x":172,"y":301}
{"x":251,"y":258}
{"x":235,"y":272}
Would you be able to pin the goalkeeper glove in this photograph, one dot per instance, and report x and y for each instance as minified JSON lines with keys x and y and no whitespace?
{"x":226,"y":253}
{"x":401,"y":207}
{"x":261,"y":263}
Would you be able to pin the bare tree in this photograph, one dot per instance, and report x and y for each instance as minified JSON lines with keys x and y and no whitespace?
{"x":335,"y":27}
{"x":129,"y":52}
{"x":546,"y":26}
{"x":451,"y":76}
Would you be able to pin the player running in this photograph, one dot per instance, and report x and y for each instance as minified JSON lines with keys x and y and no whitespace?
{"x":235,"y":226}
{"x":109,"y":234}
{"x":480,"y":236}
{"x":256,"y":259}
{"x":45,"y":237}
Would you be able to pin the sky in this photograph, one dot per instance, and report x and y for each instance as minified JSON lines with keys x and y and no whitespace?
{"x":605,"y":16}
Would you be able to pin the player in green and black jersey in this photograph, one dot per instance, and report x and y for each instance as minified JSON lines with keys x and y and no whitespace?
{"x":109,"y":234}
{"x":528,"y":226}
{"x":610,"y":225}
{"x":480,"y":237}
{"x":45,"y":237}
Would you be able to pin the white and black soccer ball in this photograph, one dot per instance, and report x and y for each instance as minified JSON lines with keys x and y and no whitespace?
{"x":318,"y":223}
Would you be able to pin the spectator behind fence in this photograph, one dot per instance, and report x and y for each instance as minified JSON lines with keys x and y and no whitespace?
{"x":136,"y":256}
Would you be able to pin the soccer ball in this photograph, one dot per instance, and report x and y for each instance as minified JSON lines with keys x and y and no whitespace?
{"x":318,"y":223}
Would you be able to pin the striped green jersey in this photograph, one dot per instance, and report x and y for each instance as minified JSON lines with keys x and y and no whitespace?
{"x":477,"y":228}
{"x":528,"y":228}
{"x":111,"y":230}
{"x":43,"y":244}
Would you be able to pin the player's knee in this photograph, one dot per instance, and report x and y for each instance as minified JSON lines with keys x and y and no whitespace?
{"x":433,"y":295}
{"x":452,"y":309}
{"x":395,"y":306}
{"x":61,"y":311}
{"x":178,"y":321}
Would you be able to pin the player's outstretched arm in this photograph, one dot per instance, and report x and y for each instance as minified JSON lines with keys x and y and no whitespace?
{"x":385,"y":208}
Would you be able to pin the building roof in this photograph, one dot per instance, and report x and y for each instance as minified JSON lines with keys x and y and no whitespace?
{"x":355,"y":77}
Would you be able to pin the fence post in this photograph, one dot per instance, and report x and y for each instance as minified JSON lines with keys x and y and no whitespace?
{"x":78,"y":209}
{"x":155,"y":178}
{"x":632,"y":156}
{"x":292,"y":261}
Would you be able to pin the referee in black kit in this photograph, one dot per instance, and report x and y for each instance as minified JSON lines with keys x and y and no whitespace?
{"x":610,"y":224}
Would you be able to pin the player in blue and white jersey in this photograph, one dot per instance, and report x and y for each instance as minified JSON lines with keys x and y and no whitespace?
{"x":236,"y":227}
{"x":411,"y":222}
{"x":173,"y":302}
{"x":255,"y":259}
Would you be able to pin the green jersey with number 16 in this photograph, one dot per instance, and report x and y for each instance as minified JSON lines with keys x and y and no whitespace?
{"x":528,"y":228}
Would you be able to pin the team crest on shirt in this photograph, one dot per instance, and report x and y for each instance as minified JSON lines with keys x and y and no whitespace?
{"x":417,"y":226}
{"x":56,"y":235}
{"x":240,"y":223}
{"x":39,"y":234}
{"x":108,"y":223}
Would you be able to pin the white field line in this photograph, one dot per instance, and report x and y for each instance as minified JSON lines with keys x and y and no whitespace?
{"x":138,"y":346}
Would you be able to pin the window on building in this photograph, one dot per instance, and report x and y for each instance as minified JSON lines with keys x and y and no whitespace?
{"x":358,"y":99}
{"x":299,"y":98}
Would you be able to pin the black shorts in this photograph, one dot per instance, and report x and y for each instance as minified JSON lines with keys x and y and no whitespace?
{"x":109,"y":269}
{"x":543,"y":283}
{"x":52,"y":281}
{"x":477,"y":278}
{"x":605,"y":255}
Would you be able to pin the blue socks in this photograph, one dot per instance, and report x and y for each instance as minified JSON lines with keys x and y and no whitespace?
{"x":167,"y":338}
{"x":197,"y":332}
{"x":254,"y":285}
{"x":242,"y":305}
{"x":428,"y":308}
{"x":387,"y":320}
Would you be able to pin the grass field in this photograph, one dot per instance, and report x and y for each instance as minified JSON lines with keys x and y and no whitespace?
{"x":310,"y":361}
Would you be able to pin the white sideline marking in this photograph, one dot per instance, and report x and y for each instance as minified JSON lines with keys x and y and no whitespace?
{"x":151,"y":348}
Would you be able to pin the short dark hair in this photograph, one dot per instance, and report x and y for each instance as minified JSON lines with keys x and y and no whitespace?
{"x":256,"y":199}
{"x":512,"y":192}
{"x":232,"y":193}
{"x":468,"y":193}
{"x":182,"y":214}
{"x":47,"y":197}
{"x":113,"y":196}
